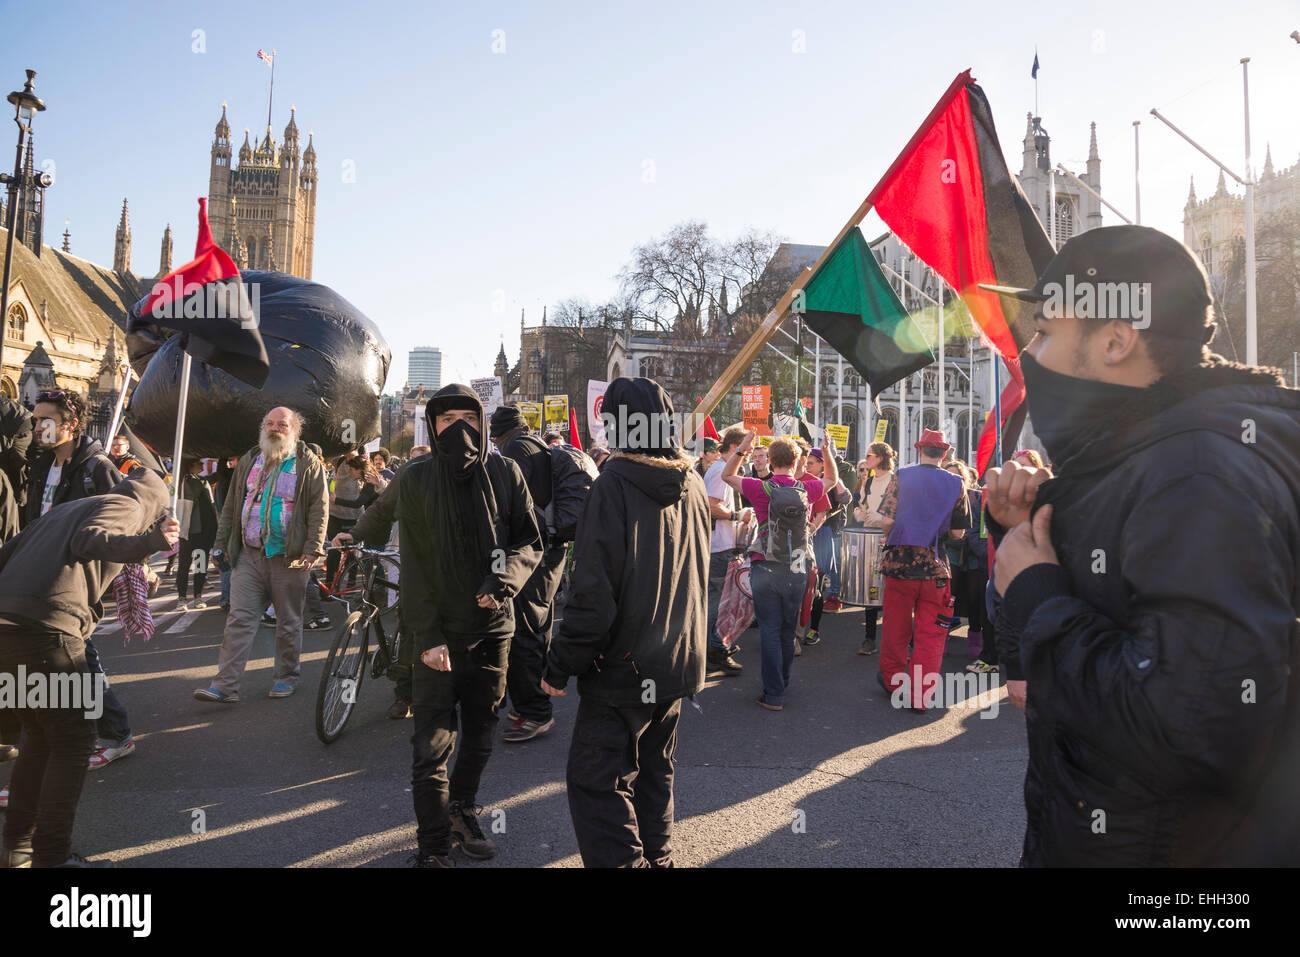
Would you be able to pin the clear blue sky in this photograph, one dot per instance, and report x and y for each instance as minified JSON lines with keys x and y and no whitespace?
{"x":521,"y":171}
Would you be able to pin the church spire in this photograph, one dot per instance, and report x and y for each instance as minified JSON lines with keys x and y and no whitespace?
{"x":67,"y":237}
{"x":1222,"y":188}
{"x":1268,"y":162}
{"x":122,"y":244}
{"x":1191,"y":192}
{"x":165,"y":258}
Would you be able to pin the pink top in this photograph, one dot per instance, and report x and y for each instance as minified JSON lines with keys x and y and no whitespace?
{"x":752,"y":489}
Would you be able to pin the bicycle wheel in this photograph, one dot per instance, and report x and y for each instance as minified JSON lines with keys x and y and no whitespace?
{"x":340,"y":685}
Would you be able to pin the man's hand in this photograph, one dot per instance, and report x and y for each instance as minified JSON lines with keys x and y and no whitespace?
{"x":341,"y":539}
{"x":307,"y":561}
{"x":554,"y":692}
{"x":487,"y":601}
{"x":745,"y":515}
{"x":1029,"y":543}
{"x":747,"y":442}
{"x":1011,"y":491}
{"x":171,"y":530}
{"x":439,"y":658}
{"x":1016,"y":691}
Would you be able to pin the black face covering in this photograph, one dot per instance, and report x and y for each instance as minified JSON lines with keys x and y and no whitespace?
{"x":1068,"y":412}
{"x":458,"y":445}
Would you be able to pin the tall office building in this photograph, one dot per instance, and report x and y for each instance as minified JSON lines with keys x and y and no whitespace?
{"x":424,"y":367}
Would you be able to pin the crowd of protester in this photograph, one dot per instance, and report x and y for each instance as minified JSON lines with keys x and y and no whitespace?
{"x":526,"y":563}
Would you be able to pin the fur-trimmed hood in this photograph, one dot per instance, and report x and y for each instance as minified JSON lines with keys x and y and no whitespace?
{"x":661,"y":478}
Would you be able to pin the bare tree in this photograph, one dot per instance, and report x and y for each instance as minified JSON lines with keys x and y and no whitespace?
{"x":1277,"y":285}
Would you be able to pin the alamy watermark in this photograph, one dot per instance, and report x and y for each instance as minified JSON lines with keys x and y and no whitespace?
{"x":62,"y":691}
{"x":977,"y":692}
{"x":214,"y":300}
{"x":1126,"y":301}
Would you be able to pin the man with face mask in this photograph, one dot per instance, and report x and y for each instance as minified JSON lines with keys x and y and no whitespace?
{"x":1150,"y":589}
{"x":469,"y":542}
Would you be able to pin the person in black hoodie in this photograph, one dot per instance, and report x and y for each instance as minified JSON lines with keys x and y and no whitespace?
{"x":1151,"y":590}
{"x":72,"y":466}
{"x":469,"y":542}
{"x":531,"y":712}
{"x":52,"y":579}
{"x":633,"y":632}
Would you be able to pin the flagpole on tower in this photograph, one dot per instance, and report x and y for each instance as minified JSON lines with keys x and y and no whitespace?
{"x":271,"y":95}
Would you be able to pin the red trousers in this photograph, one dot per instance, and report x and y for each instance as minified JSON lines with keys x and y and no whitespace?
{"x":927,"y":599}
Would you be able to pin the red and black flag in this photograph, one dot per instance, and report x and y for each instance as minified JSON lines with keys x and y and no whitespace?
{"x":951,"y":199}
{"x":206,"y":301}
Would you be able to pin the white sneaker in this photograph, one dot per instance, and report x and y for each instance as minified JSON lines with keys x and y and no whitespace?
{"x":182,"y":606}
{"x":198,"y":606}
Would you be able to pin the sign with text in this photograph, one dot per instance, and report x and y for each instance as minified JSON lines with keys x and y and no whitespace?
{"x":595,"y":400}
{"x":532,"y":413}
{"x":557,"y":409}
{"x":489,"y":393}
{"x":882,"y":426}
{"x":756,"y":408}
{"x":840,"y":433}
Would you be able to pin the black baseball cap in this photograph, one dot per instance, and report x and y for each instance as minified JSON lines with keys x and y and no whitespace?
{"x":1129,"y":255}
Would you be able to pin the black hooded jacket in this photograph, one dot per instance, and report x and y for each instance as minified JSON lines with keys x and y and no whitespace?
{"x":636,"y":609}
{"x":56,"y":571}
{"x":437,"y":611}
{"x":1163,"y":654}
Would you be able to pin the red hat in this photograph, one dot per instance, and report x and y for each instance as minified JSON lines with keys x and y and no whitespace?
{"x":930,"y":439}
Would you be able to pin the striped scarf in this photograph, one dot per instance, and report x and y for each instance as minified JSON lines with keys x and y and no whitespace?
{"x":131,"y":593}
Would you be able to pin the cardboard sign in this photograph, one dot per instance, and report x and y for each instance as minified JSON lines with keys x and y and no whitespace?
{"x":557,"y":409}
{"x":882,"y":426}
{"x":755,"y":408}
{"x":532,"y":413}
{"x":489,"y":393}
{"x":421,"y":426}
{"x":840,"y":433}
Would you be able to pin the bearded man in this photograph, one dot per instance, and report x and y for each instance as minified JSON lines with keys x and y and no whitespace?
{"x":272,"y":528}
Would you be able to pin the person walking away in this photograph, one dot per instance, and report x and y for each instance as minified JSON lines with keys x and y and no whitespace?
{"x":469,"y":542}
{"x":922,"y":506}
{"x":780,"y":558}
{"x":633,"y":632}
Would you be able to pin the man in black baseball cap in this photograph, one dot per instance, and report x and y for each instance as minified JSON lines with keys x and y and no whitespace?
{"x":1150,"y":589}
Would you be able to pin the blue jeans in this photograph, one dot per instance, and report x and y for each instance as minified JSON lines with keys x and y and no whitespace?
{"x":718,"y":562}
{"x":113,"y":726}
{"x":826,"y":549}
{"x":778,"y":593}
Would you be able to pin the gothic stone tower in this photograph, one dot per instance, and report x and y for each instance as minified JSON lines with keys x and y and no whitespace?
{"x":265,"y":207}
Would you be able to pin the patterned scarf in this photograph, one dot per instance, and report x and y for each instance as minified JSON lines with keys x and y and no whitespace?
{"x":131,"y":593}
{"x":286,"y":482}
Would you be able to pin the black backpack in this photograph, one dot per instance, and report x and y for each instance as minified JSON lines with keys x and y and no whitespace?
{"x":572,"y":472}
{"x":784,"y":537}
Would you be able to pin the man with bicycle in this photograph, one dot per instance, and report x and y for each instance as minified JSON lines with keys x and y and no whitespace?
{"x":272,"y":530}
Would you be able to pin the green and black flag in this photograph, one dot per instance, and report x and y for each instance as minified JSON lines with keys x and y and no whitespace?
{"x":851,"y":305}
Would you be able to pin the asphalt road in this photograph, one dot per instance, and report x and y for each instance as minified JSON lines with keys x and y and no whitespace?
{"x":838,"y":779}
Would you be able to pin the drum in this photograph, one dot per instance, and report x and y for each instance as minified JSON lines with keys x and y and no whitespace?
{"x":860,"y":580}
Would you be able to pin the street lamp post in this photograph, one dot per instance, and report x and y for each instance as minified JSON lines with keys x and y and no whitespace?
{"x":26,"y":103}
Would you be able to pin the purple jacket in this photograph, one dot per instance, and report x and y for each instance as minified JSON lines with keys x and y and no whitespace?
{"x":926,"y":497}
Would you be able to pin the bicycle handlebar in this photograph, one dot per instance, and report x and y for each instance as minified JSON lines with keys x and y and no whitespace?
{"x":382,"y":553}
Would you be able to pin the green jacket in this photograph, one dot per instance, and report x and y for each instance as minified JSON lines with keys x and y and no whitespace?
{"x":306,"y":532}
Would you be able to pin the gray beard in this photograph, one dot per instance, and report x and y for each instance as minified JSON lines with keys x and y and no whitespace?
{"x":273,"y":451}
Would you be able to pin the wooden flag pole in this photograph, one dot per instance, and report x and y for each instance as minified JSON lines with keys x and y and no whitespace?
{"x":772,"y":321}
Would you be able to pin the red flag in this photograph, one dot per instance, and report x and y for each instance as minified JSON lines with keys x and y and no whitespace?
{"x":206,"y":301}
{"x":950,"y":197}
{"x":573,"y":429}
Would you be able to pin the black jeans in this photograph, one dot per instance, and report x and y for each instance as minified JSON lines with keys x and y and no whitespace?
{"x":620,"y":783}
{"x":475,"y":687}
{"x":56,"y":744}
{"x":186,"y":555}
